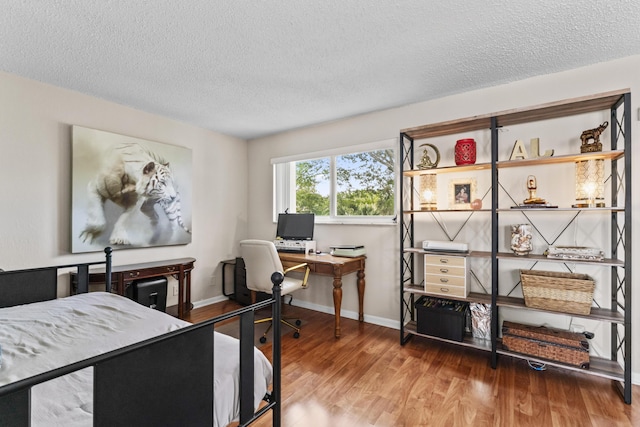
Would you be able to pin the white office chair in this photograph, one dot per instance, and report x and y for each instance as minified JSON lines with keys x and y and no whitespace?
{"x":261,"y":260}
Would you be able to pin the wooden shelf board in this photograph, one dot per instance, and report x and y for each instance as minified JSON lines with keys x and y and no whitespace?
{"x":423,"y":252}
{"x":571,"y":158}
{"x":414,"y":289}
{"x":551,"y":110}
{"x":564,"y":108}
{"x":450,"y":127}
{"x":602,"y":314}
{"x":603,"y":209}
{"x":479,"y":298}
{"x":476,"y":254}
{"x":597,"y":365}
{"x":607,"y":262}
{"x":448,"y":169}
{"x":445,"y":210}
{"x":468,"y":340}
{"x":472,"y":297}
{"x":481,"y":254}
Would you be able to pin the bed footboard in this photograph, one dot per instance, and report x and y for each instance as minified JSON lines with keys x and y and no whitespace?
{"x":165,"y":380}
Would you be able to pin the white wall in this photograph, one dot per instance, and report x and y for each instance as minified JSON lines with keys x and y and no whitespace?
{"x":35,"y":193}
{"x":382,"y":242}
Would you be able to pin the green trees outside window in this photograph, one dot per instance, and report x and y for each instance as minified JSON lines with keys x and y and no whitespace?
{"x":364,"y":184}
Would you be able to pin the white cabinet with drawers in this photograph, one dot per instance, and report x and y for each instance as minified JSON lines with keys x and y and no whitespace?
{"x":446,"y":275}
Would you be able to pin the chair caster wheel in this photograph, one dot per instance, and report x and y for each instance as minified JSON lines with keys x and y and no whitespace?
{"x":263,"y":340}
{"x":298,"y":322}
{"x":296,"y":335}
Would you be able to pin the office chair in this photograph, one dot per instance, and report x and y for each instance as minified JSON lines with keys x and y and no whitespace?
{"x":261,"y":261}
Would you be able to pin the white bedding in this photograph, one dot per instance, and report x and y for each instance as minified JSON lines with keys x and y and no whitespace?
{"x":38,"y":337}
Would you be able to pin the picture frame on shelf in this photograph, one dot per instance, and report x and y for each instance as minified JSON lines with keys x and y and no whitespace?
{"x":461,"y":193}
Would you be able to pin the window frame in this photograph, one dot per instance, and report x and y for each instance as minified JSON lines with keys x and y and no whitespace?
{"x":284,"y":182}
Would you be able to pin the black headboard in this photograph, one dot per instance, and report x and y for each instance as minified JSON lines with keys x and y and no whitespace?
{"x":41,"y":284}
{"x":27,"y":286}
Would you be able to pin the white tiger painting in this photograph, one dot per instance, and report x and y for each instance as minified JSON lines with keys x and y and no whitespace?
{"x":131,"y":193}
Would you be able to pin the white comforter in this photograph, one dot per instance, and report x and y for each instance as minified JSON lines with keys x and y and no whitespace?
{"x":38,"y":337}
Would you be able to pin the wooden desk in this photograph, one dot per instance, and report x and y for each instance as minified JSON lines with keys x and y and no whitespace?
{"x":123,"y":275}
{"x":335,"y":267}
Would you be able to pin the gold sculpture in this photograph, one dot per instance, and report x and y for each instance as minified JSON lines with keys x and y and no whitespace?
{"x":594,"y":135}
{"x":532,"y":186}
{"x":426,"y":162}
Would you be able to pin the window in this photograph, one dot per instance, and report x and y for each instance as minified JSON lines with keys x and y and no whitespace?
{"x":354,"y":185}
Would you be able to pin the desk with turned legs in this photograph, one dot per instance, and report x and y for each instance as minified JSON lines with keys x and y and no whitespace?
{"x":335,"y":267}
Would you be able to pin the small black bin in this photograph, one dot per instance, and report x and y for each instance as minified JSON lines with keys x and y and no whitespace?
{"x":149,"y":292}
{"x":441,"y":317}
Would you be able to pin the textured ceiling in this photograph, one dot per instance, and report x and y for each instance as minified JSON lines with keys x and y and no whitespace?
{"x":254,"y":68}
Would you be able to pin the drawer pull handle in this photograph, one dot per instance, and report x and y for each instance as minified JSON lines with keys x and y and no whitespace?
{"x":134,"y":274}
{"x":444,"y":289}
{"x":444,"y":270}
{"x":171,"y":268}
{"x":444,"y":260}
{"x":443,"y":280}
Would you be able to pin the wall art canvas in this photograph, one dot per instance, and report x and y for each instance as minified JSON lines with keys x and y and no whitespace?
{"x":128,"y":192}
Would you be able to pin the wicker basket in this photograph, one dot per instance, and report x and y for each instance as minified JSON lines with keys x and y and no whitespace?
{"x":555,"y":291}
{"x":546,"y":343}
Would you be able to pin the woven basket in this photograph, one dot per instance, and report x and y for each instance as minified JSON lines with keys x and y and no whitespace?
{"x":546,"y":343}
{"x":555,"y":291}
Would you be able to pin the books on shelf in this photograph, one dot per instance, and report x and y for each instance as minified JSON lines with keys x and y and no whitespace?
{"x":351,"y":251}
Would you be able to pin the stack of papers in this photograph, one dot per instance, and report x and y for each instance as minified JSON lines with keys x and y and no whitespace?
{"x":348,"y":250}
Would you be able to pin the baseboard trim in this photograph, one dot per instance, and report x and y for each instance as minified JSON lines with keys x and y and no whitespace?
{"x":375,"y":320}
{"x":209,"y":301}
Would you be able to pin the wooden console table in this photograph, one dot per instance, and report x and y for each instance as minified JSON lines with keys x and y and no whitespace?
{"x":335,"y":267}
{"x":123,"y":275}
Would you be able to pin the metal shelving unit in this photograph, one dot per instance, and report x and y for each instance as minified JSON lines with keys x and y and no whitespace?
{"x":617,"y":366}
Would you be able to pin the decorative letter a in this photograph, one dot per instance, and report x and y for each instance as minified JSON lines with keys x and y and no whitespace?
{"x":518,"y":152}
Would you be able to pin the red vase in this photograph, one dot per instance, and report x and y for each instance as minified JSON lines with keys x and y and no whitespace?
{"x":465,"y":152}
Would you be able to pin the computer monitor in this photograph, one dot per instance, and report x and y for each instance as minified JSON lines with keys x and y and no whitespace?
{"x":295,"y":226}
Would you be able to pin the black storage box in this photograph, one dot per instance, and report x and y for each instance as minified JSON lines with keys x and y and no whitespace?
{"x":149,"y":292}
{"x":441,"y":318}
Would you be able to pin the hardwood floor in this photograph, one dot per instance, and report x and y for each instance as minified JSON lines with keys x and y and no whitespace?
{"x":366,"y":378}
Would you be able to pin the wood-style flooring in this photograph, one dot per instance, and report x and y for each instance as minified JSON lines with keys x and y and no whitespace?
{"x":366,"y":378}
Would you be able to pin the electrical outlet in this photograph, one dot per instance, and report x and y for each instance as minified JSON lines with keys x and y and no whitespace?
{"x":175,"y":290}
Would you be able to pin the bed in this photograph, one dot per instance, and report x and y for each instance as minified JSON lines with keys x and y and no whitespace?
{"x":102,"y":359}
